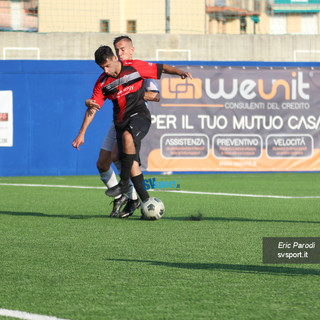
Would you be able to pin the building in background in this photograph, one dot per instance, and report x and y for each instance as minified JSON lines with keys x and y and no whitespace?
{"x":19,"y":15}
{"x":162,"y":16}
{"x":237,"y":16}
{"x":295,"y":17}
{"x":123,"y":16}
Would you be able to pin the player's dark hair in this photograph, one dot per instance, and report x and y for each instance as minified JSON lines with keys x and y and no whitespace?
{"x":116,"y":40}
{"x":102,"y":54}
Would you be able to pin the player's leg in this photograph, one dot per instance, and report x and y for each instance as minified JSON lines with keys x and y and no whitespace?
{"x":128,"y":156}
{"x":133,"y":202}
{"x":140,"y":128}
{"x":136,"y":175}
{"x":107,"y":174}
{"x":137,"y":179}
{"x":132,"y":194}
{"x":124,"y":175}
{"x":104,"y":161}
{"x":128,"y":140}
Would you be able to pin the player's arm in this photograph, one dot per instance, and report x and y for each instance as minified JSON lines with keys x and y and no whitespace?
{"x":91,"y":104}
{"x":97,"y":99}
{"x":172,"y":70}
{"x":88,"y":117}
{"x":152,"y":96}
{"x":152,"y":90}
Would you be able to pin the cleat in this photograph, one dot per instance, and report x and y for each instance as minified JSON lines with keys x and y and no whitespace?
{"x":117,"y":204}
{"x":130,"y":207}
{"x":120,"y":188}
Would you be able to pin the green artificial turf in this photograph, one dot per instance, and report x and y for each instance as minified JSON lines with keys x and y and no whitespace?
{"x":61,"y":255}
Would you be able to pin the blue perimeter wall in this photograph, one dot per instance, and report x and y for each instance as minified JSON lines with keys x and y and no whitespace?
{"x":48,"y":109}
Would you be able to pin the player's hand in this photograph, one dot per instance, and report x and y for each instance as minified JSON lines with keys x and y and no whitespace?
{"x":91,"y":104}
{"x":78,"y":141}
{"x":186,"y":75}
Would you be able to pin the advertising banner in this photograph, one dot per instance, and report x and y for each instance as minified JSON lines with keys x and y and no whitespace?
{"x":235,"y":119}
{"x":6,"y":122}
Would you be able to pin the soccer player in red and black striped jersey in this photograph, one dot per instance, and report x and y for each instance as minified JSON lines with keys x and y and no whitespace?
{"x":122,"y":83}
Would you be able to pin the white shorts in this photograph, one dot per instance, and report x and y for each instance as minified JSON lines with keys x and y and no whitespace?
{"x":110,"y":139}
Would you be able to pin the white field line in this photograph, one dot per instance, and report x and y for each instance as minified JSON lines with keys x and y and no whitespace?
{"x":243,"y":195}
{"x":25,"y":315}
{"x":175,"y":191}
{"x":48,"y":186}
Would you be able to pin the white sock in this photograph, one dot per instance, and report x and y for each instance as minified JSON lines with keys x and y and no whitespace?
{"x":109,"y":179}
{"x":132,"y":194}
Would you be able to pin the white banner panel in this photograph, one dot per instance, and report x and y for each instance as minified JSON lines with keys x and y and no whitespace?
{"x":6,"y":119}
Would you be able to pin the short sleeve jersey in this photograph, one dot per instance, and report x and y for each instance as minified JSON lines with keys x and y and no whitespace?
{"x":126,"y":91}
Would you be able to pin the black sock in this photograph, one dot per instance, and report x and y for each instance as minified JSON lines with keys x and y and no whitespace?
{"x":126,"y":164}
{"x":138,"y":185}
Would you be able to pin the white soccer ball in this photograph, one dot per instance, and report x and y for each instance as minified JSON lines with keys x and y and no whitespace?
{"x":152,"y":209}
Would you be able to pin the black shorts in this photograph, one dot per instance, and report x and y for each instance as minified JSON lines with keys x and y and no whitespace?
{"x":138,"y":127}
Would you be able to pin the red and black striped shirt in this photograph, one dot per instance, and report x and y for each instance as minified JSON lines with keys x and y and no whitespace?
{"x":126,"y":91}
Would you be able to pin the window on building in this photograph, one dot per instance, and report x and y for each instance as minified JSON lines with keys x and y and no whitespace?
{"x":309,"y":24}
{"x":220,"y":3}
{"x":131,"y":26}
{"x":243,"y":24}
{"x":105,"y":26}
{"x":278,"y":24}
{"x":257,"y":5}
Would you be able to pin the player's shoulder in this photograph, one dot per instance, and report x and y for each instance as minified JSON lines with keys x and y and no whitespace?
{"x":130,"y":61}
{"x":102,"y":76}
{"x":135,"y":63}
{"x":103,"y":79}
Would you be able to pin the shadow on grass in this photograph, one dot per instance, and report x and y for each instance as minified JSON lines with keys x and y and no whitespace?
{"x":45,"y":215}
{"x":136,"y":217}
{"x":197,"y":218}
{"x":241,"y":268}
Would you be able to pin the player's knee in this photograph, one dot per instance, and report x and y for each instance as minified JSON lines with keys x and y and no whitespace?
{"x":100,"y":166}
{"x":103,"y":164}
{"x":128,"y":143}
{"x":127,"y":137}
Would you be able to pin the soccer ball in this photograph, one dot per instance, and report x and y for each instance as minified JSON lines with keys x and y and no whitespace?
{"x":152,"y":209}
